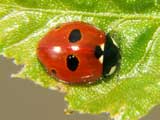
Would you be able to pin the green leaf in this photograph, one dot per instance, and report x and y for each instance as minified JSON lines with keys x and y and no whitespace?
{"x":133,"y":24}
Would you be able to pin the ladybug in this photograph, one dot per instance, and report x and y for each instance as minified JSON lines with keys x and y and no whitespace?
{"x":77,"y":52}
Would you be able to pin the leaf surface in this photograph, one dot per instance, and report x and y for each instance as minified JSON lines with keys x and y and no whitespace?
{"x":133,"y":24}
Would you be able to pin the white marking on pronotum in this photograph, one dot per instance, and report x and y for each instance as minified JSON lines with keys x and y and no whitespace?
{"x":114,"y":42}
{"x":102,"y":46}
{"x":112,"y":70}
{"x":101,"y":59}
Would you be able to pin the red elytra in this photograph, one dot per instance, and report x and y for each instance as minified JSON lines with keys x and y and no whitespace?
{"x":72,"y":52}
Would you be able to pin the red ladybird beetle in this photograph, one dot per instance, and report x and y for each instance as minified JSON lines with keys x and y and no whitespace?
{"x":77,"y":52}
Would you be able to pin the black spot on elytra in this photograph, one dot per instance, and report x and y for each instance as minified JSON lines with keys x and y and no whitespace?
{"x":98,"y":52}
{"x":75,"y":35}
{"x":72,"y":62}
{"x":53,"y":72}
{"x":58,"y":26}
